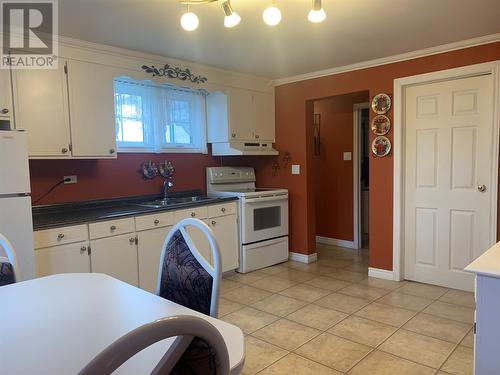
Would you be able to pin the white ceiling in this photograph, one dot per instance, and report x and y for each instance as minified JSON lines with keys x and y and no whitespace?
{"x":354,"y":31}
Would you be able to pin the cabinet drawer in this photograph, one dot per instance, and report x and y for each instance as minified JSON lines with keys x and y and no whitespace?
{"x":222,"y":209}
{"x":111,"y":228}
{"x":60,"y":236}
{"x":195,"y":212}
{"x":154,"y":221}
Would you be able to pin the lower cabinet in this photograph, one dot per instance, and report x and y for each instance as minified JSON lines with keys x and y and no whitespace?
{"x":149,"y":248}
{"x":116,"y":256}
{"x":62,"y":259}
{"x":225,"y":229}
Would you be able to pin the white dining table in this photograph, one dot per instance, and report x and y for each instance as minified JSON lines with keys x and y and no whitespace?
{"x":57,"y":324}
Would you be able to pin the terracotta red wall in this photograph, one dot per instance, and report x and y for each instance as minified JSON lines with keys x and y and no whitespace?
{"x":333,"y":175}
{"x":294,"y":132}
{"x":100,"y":179}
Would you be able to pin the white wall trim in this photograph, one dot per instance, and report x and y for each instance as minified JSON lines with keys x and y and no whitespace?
{"x":399,"y":126}
{"x":380,"y":273}
{"x":356,"y":175}
{"x":392,"y":59}
{"x":335,"y":242}
{"x":303,"y":258}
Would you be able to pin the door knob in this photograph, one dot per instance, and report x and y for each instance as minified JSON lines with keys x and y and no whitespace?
{"x":481,"y":188}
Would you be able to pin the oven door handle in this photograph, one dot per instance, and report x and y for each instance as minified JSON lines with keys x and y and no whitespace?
{"x":265,"y":199}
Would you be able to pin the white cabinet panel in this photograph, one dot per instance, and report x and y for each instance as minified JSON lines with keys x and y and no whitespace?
{"x":5,"y":94}
{"x":91,"y":98}
{"x":72,"y":258}
{"x":116,"y":256}
{"x":241,"y":120}
{"x":225,"y":229}
{"x":149,"y":248}
{"x":263,"y":108}
{"x":41,"y":108}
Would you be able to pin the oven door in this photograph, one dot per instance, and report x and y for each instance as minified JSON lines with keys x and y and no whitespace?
{"x":264,"y":218}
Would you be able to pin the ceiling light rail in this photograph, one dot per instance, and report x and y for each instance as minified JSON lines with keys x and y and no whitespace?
{"x":271,"y":15}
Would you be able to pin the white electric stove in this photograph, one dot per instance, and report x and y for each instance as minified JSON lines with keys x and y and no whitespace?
{"x":263,"y":216}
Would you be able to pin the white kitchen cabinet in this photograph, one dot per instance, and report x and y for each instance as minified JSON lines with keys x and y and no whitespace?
{"x":41,"y":108}
{"x":70,"y":258}
{"x":240,"y":115}
{"x":149,"y":248}
{"x":5,"y":96}
{"x":68,"y":112}
{"x":225,"y":229}
{"x":91,"y":100}
{"x":116,"y":256}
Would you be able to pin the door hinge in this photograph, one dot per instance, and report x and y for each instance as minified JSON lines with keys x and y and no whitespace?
{"x":474,"y":328}
{"x":65,"y":68}
{"x":136,"y":240}
{"x":89,"y":250}
{"x":70,"y":146}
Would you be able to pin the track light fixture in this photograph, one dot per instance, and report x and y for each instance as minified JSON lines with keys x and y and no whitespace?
{"x":231,"y":18}
{"x":316,"y":14}
{"x":271,"y":15}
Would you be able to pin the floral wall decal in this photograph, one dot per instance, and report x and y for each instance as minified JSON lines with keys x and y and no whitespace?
{"x":174,"y":72}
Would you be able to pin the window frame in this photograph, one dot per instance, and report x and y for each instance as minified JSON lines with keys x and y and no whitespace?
{"x":156,"y":97}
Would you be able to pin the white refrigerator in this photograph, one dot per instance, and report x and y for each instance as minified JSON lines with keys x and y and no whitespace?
{"x":15,"y":201}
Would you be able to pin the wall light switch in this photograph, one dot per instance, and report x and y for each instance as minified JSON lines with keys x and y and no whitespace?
{"x":295,"y":169}
{"x":347,"y":155}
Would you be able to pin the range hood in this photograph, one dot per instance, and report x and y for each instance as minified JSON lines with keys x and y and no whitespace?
{"x":243,"y":148}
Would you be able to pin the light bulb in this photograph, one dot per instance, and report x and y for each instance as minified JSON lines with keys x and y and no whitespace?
{"x":189,"y":21}
{"x":316,"y":15}
{"x":232,"y":20}
{"x":271,"y":16}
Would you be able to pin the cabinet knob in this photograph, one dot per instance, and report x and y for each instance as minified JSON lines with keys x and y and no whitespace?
{"x":60,"y":236}
{"x":64,"y":150}
{"x":214,"y":222}
{"x":132,"y":240}
{"x":111,"y":150}
{"x":156,"y":222}
{"x":257,"y":136}
{"x":233,"y":135}
{"x":193,"y":214}
{"x":4,"y":111}
{"x":223,"y":209}
{"x":112,"y":228}
{"x":83,"y":249}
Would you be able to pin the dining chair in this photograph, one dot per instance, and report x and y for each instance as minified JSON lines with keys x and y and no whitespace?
{"x":9,"y":271}
{"x":215,"y":361}
{"x":184,"y":275}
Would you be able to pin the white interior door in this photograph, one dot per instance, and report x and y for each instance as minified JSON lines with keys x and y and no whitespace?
{"x":449,"y":148}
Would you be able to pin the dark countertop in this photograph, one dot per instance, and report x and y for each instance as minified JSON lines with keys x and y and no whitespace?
{"x":59,"y":215}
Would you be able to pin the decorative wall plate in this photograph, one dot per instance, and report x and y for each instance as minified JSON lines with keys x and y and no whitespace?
{"x":381,"y":104}
{"x":381,"y":146}
{"x":381,"y":125}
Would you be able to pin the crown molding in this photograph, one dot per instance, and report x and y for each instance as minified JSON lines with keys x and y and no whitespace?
{"x":391,"y":59}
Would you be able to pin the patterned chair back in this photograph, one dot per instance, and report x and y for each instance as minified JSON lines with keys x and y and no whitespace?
{"x":185,"y":276}
{"x":8,"y":264}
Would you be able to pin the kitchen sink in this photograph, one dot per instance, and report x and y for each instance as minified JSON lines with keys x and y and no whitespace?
{"x":172,"y":201}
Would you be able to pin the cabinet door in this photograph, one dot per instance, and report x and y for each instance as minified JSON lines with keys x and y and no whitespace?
{"x":263,"y":109}
{"x":241,"y":121}
{"x":116,"y":257}
{"x":149,"y":247}
{"x":225,"y":229}
{"x":70,"y":258}
{"x":5,"y":94}
{"x":41,"y":108}
{"x":91,"y":98}
{"x":201,"y":243}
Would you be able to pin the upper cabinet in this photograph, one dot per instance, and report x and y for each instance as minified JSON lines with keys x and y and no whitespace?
{"x":240,"y":115}
{"x":68,"y":112}
{"x":5,"y":96}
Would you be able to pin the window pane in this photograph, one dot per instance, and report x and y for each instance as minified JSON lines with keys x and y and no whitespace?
{"x":181,"y":134}
{"x":133,"y":131}
{"x":179,"y":110}
{"x":129,"y":118}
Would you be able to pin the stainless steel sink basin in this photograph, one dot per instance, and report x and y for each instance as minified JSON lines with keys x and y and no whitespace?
{"x":172,"y":201}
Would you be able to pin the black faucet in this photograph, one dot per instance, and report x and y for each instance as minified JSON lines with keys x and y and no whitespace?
{"x":167,"y":184}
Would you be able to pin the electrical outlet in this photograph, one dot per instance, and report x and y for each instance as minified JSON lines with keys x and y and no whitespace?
{"x":295,"y":169}
{"x":72,"y":180}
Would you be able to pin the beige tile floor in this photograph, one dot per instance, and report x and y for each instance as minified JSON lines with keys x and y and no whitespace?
{"x":330,"y":318}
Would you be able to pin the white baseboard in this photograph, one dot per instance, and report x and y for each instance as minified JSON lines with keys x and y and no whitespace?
{"x":380,"y":273}
{"x":303,"y":258}
{"x":335,"y":242}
